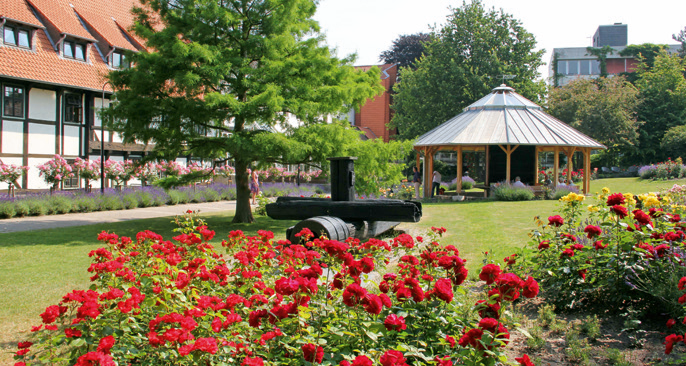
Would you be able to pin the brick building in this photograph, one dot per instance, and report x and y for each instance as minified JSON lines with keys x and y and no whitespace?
{"x":374,"y":116}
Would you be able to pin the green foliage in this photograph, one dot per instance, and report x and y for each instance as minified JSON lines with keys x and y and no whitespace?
{"x":646,"y":53}
{"x":663,"y":94}
{"x":601,"y":53}
{"x":37,"y":207}
{"x":615,"y":357}
{"x":674,"y":141}
{"x":681,"y":37}
{"x":590,"y":326}
{"x":461,"y":64}
{"x":577,"y":350}
{"x":378,"y":164}
{"x":174,"y":181}
{"x":604,"y":109}
{"x":59,"y":204}
{"x":536,"y":342}
{"x":250,"y":63}
{"x":22,"y":209}
{"x":546,"y":315}
{"x":7,"y":210}
{"x":506,"y":192}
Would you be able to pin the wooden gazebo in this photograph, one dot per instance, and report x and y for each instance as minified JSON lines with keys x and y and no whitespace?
{"x":510,"y":129}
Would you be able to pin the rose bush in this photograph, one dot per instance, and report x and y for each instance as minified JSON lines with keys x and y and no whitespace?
{"x":625,"y":250}
{"x":268,"y":302}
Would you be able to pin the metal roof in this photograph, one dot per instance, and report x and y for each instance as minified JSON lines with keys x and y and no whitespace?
{"x":504,"y":117}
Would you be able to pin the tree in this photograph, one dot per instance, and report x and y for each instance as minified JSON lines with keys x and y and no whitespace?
{"x":674,"y":142}
{"x":604,"y":109}
{"x":221,"y":72}
{"x":462,"y":64}
{"x":646,"y":53}
{"x":681,"y":37}
{"x":601,"y":54}
{"x":406,"y":50}
{"x":663,"y":103}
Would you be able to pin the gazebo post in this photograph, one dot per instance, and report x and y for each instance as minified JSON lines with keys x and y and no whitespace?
{"x":508,"y":151}
{"x":536,"y":167}
{"x":428,"y":170}
{"x":570,"y":163}
{"x":488,"y":158}
{"x":557,"y":164}
{"x":458,"y":189}
{"x":587,"y":170}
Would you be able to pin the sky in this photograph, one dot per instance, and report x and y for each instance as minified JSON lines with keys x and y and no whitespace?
{"x":369,"y":27}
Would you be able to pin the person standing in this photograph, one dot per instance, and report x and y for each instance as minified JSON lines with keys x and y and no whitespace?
{"x":254,"y":185}
{"x":416,"y":180}
{"x":436,"y":185}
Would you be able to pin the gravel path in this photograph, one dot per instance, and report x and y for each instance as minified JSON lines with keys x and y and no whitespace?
{"x":91,"y":218}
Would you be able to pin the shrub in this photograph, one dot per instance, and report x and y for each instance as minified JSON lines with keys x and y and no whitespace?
{"x":559,"y":192}
{"x":467,"y":183}
{"x":109,"y":202}
{"x":180,"y":302}
{"x":662,"y":171}
{"x":505,"y":192}
{"x":86,"y":204}
{"x":58,"y":204}
{"x":21,"y":208}
{"x":37,"y":207}
{"x":129,"y":200}
{"x":7,"y":210}
{"x":145,"y":199}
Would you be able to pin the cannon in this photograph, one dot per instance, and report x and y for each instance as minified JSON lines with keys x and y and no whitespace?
{"x":342,"y":216}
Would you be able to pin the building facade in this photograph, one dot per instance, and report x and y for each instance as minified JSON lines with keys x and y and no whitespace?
{"x":374,"y":116}
{"x":570,"y":63}
{"x":54,"y":58}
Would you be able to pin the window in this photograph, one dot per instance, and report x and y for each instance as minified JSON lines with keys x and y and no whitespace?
{"x":13,"y":101}
{"x":562,"y":67}
{"x":74,"y":50}
{"x":73,"y":181}
{"x":17,"y":36}
{"x":572,"y":67}
{"x":118,"y":61}
{"x":73,"y":108}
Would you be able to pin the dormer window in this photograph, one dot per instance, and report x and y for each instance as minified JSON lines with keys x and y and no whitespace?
{"x":17,"y":36}
{"x":118,"y":60}
{"x":74,"y":50}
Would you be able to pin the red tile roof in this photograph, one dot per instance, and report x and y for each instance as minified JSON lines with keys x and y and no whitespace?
{"x":19,"y":11}
{"x":43,"y":63}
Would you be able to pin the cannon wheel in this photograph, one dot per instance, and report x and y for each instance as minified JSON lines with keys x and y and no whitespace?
{"x":333,"y":227}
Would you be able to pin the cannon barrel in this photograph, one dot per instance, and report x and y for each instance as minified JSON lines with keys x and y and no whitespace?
{"x":300,"y":208}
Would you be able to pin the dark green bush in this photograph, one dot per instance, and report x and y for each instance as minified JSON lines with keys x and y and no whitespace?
{"x":37,"y":207}
{"x":21,"y":209}
{"x":60,"y":205}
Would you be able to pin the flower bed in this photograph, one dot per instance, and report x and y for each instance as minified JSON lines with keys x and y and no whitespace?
{"x":267,"y":302}
{"x":665,"y":170}
{"x":627,"y":255}
{"x":38,"y":204}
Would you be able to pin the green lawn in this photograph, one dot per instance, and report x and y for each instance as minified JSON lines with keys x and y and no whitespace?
{"x":38,"y":267}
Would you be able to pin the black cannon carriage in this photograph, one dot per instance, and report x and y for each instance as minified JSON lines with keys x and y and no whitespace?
{"x":342,"y":216}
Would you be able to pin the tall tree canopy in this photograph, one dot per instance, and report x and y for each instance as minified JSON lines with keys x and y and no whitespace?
{"x":681,"y":37}
{"x":604,"y":109}
{"x":406,"y":50}
{"x":462,"y":64}
{"x":220,"y":71}
{"x":663,"y":103}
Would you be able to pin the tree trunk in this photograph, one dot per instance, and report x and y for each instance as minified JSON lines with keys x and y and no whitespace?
{"x":243,"y":212}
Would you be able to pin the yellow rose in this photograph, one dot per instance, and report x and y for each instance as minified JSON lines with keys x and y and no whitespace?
{"x":606,"y":190}
{"x":593,"y":209}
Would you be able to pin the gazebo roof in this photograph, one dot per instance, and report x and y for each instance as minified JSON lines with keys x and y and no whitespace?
{"x":504,"y":117}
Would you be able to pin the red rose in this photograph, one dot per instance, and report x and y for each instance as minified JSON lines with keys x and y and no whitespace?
{"x":489,"y":273}
{"x":208,"y":345}
{"x":615,"y":199}
{"x":598,"y":245}
{"x":567,"y":253}
{"x":669,"y":342}
{"x":471,"y":338}
{"x":489,"y":324}
{"x":545,"y":244}
{"x":392,"y":358}
{"x":451,"y":340}
{"x":312,"y":353}
{"x":556,"y":221}
{"x":445,"y":361}
{"x":620,"y":211}
{"x":530,"y":289}
{"x":106,"y":344}
{"x":286,"y":286}
{"x":394,"y":323}
{"x":444,"y":290}
{"x":682,"y":283}
{"x":372,"y":304}
{"x":248,"y":361}
{"x":524,"y":361}
{"x":509,"y":285}
{"x":362,"y":360}
{"x":592,"y":231}
{"x":671,"y":323}
{"x":641,"y":217}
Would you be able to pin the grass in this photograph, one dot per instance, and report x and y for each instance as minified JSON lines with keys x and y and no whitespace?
{"x":38,"y":267}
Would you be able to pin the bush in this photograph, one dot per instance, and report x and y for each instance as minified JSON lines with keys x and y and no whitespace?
{"x":129,"y":200}
{"x":110,"y":202}
{"x":505,"y":192}
{"x":86,"y":204}
{"x":58,"y":204}
{"x":37,"y":207}
{"x":7,"y":210}
{"x":662,"y":171}
{"x":181,"y":302}
{"x":21,"y":208}
{"x":559,"y":192}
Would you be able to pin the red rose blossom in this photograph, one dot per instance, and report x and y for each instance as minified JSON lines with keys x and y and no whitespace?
{"x":362,"y":360}
{"x":556,"y":221}
{"x":394,"y":322}
{"x":524,"y":361}
{"x":592,"y":231}
{"x":489,"y":273}
{"x":615,"y":199}
{"x":313,"y":353}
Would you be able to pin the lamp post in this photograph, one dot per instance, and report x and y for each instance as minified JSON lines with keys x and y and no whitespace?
{"x":102,"y":140}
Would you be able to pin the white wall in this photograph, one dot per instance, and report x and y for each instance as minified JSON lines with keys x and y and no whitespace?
{"x":36,"y":182}
{"x":42,"y":104}
{"x":13,"y":137}
{"x":72,"y":143}
{"x":41,"y":139}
